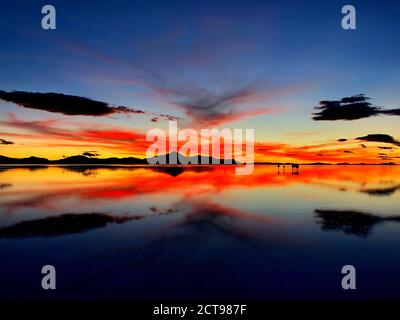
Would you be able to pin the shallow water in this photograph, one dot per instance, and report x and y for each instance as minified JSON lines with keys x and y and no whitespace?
{"x":200,"y":232}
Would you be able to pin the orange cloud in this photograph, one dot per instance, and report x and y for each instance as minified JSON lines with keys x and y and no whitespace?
{"x":110,"y":140}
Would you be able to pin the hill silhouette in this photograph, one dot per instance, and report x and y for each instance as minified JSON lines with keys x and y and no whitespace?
{"x":83,"y":160}
{"x":181,"y":160}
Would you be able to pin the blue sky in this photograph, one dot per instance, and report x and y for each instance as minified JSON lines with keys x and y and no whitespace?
{"x":295,"y":51}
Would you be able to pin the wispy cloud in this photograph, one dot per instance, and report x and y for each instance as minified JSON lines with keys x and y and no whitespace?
{"x":206,"y":107}
{"x":54,"y":132}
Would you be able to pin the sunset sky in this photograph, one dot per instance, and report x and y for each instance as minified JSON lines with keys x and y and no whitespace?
{"x":262,"y":65}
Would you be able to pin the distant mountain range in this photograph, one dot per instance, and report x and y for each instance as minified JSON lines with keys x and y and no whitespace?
{"x":83,"y":160}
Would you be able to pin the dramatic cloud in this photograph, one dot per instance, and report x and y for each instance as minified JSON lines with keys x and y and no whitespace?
{"x":52,"y":132}
{"x":210,"y":108}
{"x":379,"y":138}
{"x":342,"y":140}
{"x":68,"y":104}
{"x":349,"y":108}
{"x":2,"y":141}
{"x":214,"y":105}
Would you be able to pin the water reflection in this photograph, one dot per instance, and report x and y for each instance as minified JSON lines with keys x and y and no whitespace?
{"x":5,"y":185}
{"x":85,"y":171}
{"x":350,"y":222}
{"x":381,"y":191}
{"x":161,"y":228}
{"x":63,"y":224}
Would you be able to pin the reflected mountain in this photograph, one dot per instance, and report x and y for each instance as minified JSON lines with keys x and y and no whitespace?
{"x":68,"y":223}
{"x":36,"y":168}
{"x":53,"y":187}
{"x":85,"y":171}
{"x":350,"y":222}
{"x":175,"y":171}
{"x":172,"y":171}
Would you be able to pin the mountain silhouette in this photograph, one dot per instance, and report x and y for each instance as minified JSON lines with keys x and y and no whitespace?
{"x":30,"y":160}
{"x":83,"y":160}
{"x":198,"y":159}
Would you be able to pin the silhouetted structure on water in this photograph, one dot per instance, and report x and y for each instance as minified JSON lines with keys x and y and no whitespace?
{"x":295,"y":168}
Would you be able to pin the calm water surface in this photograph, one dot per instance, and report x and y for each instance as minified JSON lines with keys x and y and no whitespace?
{"x":200,"y":232}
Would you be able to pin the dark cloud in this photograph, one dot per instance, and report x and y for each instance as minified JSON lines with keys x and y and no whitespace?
{"x":380,"y":138}
{"x":90,"y":154}
{"x":342,"y":140}
{"x":348,"y":151}
{"x":67,"y":104}
{"x":393,"y":112}
{"x":2,"y":141}
{"x":363,"y":145}
{"x":349,"y":108}
{"x":62,"y":103}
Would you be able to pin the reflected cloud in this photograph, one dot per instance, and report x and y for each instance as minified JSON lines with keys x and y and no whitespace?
{"x":350,"y":222}
{"x":68,"y":223}
{"x":210,"y":220}
{"x":5,"y":185}
{"x":381,"y":191}
{"x":51,"y":188}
